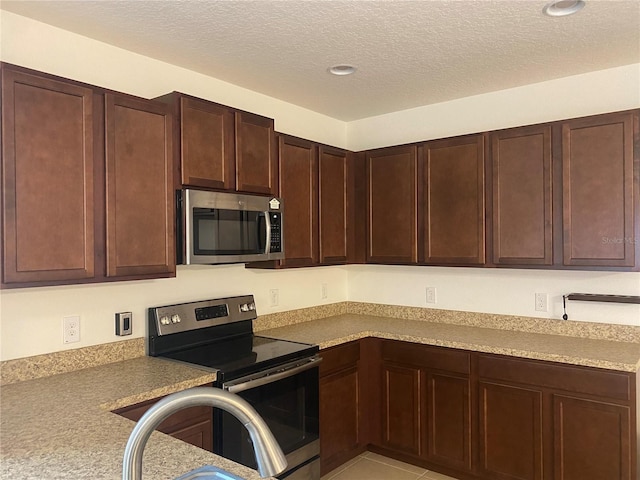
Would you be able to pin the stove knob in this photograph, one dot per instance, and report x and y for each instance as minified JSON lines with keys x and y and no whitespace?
{"x":252,"y":306}
{"x":175,"y":318}
{"x":164,"y":320}
{"x":244,"y":307}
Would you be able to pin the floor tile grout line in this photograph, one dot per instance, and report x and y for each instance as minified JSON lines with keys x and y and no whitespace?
{"x":399,"y":467}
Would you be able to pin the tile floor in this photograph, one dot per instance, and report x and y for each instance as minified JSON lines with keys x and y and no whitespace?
{"x":371,"y":466}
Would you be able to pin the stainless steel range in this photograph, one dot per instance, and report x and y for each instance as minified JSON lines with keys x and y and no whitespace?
{"x":277,"y":377}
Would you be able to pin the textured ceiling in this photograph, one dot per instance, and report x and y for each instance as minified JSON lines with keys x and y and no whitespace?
{"x":408,"y":53}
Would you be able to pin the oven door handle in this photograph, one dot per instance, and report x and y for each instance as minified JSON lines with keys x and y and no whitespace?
{"x":247,"y":383}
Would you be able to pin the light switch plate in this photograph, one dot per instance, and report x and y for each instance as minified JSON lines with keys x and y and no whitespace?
{"x":124,"y":323}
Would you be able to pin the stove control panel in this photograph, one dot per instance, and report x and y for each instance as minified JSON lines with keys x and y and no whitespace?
{"x":194,"y":315}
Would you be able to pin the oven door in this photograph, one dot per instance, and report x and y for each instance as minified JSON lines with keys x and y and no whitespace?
{"x":287,"y":398}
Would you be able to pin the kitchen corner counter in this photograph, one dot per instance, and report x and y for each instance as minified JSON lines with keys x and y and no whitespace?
{"x":62,"y":426}
{"x":334,"y":330}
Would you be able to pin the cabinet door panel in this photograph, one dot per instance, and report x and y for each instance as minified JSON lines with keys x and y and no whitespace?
{"x":597,"y":169}
{"x":47,"y":182}
{"x":452,"y":210}
{"x":522,"y":219}
{"x":207,"y":144}
{"x":332,"y":180}
{"x":256,"y":162}
{"x":140,"y":234}
{"x":591,"y":440}
{"x":299,"y":191}
{"x":448,"y":421}
{"x":391,"y":192}
{"x":510,"y":432}
{"x":402,"y":396}
{"x":339,"y":421}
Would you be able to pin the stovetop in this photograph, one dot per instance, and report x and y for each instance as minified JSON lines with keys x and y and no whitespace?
{"x":218,"y":335}
{"x":239,"y":356}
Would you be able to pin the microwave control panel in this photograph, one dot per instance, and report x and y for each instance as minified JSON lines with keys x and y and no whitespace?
{"x":276,"y":232}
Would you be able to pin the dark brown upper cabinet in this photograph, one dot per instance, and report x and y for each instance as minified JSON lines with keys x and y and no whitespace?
{"x":600,"y":200}
{"x":452,"y":205}
{"x":332,"y":185}
{"x":299,"y":192}
{"x":391,"y":198}
{"x":256,"y":157}
{"x":522,"y":196}
{"x":47,"y":179}
{"x":87,"y":184}
{"x":221,"y":148}
{"x":139,"y":191}
{"x":205,"y":142}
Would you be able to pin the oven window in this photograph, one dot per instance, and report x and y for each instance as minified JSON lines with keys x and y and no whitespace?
{"x":290,"y":409}
{"x":228,"y":232}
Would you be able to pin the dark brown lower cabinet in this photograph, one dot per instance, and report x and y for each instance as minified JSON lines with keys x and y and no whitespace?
{"x":426,"y":409}
{"x":510,"y":432}
{"x":340,"y":425}
{"x":448,"y":420}
{"x":591,"y":439}
{"x":401,"y":399}
{"x":192,"y":425}
{"x":540,"y":420}
{"x":477,"y":416}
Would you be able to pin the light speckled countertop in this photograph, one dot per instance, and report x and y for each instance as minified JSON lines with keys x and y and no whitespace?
{"x":61,"y":427}
{"x":339,"y":329}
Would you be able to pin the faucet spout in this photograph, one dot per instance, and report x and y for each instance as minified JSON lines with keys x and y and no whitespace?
{"x":269,"y":455}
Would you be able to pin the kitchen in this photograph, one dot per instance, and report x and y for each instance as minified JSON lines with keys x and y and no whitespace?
{"x":29,"y":329}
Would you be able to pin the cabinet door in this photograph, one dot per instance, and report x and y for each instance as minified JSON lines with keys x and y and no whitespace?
{"x":452,"y":212}
{"x":591,"y":440}
{"x":339,"y":422}
{"x":47,"y":179}
{"x":140,"y":233}
{"x":448,"y":424}
{"x":332,"y":179}
{"x":598,"y":196}
{"x":256,"y":159}
{"x":510,"y":432}
{"x":207,"y":144}
{"x":401,"y":398}
{"x":391,"y":194}
{"x":299,"y":191}
{"x":192,"y":425}
{"x":522,"y":215}
{"x":340,"y":385}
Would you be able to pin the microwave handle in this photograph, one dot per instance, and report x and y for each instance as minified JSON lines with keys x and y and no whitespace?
{"x":267,"y":225}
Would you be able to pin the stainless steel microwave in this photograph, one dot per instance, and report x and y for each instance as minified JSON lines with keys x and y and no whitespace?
{"x":219,"y":227}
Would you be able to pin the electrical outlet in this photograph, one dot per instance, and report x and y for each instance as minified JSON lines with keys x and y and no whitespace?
{"x":325,"y":291}
{"x":542,"y":301}
{"x":274,"y":297}
{"x":431,"y":294}
{"x":71,"y":329}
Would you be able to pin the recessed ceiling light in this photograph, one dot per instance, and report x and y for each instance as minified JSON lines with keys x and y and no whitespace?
{"x":562,"y":8}
{"x":342,"y":69}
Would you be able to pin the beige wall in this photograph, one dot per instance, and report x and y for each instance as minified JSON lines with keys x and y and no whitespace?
{"x":31,"y":319}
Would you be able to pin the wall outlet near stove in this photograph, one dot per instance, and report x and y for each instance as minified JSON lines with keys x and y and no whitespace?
{"x":542,"y":302}
{"x":431,"y":294}
{"x":71,"y":329}
{"x":124,"y":323}
{"x":274,"y":297}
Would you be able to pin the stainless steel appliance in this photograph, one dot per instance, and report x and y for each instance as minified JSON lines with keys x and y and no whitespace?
{"x":220,"y":227}
{"x":278,"y":378}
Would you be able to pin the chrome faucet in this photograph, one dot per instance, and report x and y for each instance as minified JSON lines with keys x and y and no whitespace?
{"x":269,"y":456}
